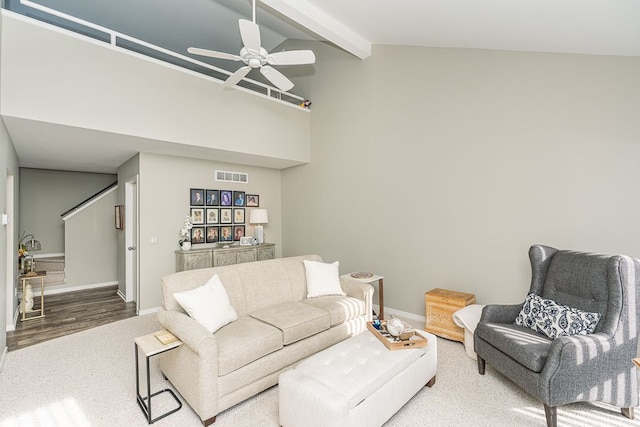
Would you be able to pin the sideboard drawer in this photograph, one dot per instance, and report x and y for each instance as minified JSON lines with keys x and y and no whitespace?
{"x":214,"y":256}
{"x":266,"y":252}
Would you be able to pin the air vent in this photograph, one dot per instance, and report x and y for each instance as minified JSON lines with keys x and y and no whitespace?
{"x":228,"y":176}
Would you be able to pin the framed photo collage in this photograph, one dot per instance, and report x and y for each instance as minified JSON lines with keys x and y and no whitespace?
{"x":219,"y":215}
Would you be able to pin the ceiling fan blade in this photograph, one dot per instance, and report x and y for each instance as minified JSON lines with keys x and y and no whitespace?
{"x":292,"y":57}
{"x":213,"y":54}
{"x":277,"y":78}
{"x":250,"y":33}
{"x":234,"y":78}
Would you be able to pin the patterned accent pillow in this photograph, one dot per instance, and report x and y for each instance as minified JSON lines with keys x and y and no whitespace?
{"x":555,"y":320}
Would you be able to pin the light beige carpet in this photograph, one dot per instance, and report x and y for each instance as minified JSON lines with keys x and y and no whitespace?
{"x":88,"y":379}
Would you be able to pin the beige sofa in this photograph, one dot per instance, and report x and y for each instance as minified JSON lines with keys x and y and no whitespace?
{"x":277,"y":327}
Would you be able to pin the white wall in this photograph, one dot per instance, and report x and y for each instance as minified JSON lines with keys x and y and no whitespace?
{"x":440,"y":167}
{"x":90,"y":85}
{"x":47,"y":194}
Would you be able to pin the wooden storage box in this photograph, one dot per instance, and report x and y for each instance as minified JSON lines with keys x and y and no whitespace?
{"x":440,"y":306}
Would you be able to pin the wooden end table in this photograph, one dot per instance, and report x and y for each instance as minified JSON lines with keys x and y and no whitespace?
{"x":150,"y":346}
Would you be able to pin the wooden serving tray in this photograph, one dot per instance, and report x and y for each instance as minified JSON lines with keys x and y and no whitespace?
{"x":415,"y":341}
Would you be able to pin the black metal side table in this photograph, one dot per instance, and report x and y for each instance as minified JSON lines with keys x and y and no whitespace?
{"x":150,"y":345}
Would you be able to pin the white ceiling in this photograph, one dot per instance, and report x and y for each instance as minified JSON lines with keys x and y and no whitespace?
{"x":599,"y":27}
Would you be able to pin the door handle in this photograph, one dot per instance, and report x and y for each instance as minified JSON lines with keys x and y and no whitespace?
{"x":131,"y":248}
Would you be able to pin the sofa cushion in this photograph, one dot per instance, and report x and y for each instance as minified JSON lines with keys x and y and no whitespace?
{"x":340,"y":309}
{"x":243,"y":341}
{"x":208,"y":305}
{"x":322,"y":279}
{"x":555,"y":320}
{"x":295,"y":319}
{"x":527,"y":347}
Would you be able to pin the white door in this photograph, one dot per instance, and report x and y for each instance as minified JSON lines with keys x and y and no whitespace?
{"x":131,"y":244}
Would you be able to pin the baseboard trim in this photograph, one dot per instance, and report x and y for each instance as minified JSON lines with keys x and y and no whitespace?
{"x":48,"y":255}
{"x":121,"y":295}
{"x":4,"y":355}
{"x":16,"y":314}
{"x":36,"y":288}
{"x":148,"y":311}
{"x":400,"y":313}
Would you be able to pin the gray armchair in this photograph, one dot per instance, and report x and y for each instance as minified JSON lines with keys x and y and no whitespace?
{"x":594,"y":367}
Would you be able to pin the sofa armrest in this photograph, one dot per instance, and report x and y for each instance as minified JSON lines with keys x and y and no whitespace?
{"x":363,"y":291}
{"x":190,"y":332}
{"x":494,"y":313}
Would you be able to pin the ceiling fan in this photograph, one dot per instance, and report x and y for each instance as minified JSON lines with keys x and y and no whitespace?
{"x":255,"y":56}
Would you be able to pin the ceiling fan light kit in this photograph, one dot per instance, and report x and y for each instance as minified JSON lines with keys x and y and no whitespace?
{"x":255,"y":56}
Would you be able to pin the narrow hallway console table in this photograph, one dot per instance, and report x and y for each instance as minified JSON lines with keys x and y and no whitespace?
{"x":217,"y":256}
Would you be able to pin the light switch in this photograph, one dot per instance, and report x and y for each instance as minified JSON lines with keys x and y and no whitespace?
{"x":5,"y":219}
{"x":154,"y":240}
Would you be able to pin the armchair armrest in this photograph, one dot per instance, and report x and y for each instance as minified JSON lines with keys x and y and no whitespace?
{"x":190,"y":332}
{"x":360,"y":290}
{"x":494,"y":313}
{"x":581,"y":361}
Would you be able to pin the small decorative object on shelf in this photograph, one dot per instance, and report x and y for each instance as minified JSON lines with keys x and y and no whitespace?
{"x":226,"y":244}
{"x":361,"y":275}
{"x":306,"y":104}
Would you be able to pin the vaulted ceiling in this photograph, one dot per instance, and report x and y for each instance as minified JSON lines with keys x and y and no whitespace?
{"x":599,"y":27}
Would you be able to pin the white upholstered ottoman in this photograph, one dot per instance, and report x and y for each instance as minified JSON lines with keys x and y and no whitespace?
{"x":357,"y":382}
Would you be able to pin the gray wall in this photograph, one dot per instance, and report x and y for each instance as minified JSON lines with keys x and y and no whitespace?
{"x":163,"y":187}
{"x":46,"y":194}
{"x":440,"y":167}
{"x":8,"y":256}
{"x":92,"y":243}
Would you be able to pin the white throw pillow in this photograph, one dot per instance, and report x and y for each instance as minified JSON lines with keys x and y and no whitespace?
{"x":322,"y":279}
{"x":209,"y":304}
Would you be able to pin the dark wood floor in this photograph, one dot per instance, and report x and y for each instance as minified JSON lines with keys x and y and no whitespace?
{"x":68,"y":313}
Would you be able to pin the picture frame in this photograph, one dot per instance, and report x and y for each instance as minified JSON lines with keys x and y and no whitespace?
{"x":238,"y":232}
{"x":225,"y":216}
{"x":253,"y":200}
{"x":197,"y":235}
{"x":226,"y":198}
{"x":245,"y":241}
{"x":226,"y":234}
{"x":119,"y":217}
{"x":238,"y":198}
{"x":212,"y":197}
{"x":213,"y":234}
{"x":213,"y":216}
{"x":197,"y":215}
{"x":238,"y":215}
{"x":196,"y":197}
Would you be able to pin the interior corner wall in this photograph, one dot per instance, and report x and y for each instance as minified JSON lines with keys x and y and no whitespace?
{"x":445,"y":172}
{"x":164,"y":186}
{"x":8,"y":258}
{"x":47,"y":194}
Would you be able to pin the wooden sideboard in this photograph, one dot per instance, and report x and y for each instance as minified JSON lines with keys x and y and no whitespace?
{"x":217,"y":256}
